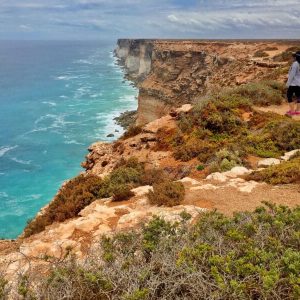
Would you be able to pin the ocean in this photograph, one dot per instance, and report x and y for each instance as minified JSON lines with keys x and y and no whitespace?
{"x":56,"y":98}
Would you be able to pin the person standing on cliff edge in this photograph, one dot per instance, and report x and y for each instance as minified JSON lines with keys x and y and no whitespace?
{"x":293,"y":85}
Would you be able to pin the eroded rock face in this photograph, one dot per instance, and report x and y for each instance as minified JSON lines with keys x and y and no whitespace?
{"x":136,"y":57}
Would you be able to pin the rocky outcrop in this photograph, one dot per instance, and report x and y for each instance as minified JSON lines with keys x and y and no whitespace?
{"x":171,"y":73}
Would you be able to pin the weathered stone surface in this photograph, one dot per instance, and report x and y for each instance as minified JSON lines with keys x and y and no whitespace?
{"x":237,"y":171}
{"x":217,"y":177}
{"x":290,"y":154}
{"x":268,"y":162}
{"x":189,"y":180}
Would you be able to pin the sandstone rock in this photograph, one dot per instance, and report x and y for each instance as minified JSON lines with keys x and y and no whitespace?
{"x":288,"y":155}
{"x":248,"y":186}
{"x":184,"y":108}
{"x":204,"y":187}
{"x":268,"y":162}
{"x":189,"y":180}
{"x":217,"y":177}
{"x":237,"y":171}
{"x":142,"y":190}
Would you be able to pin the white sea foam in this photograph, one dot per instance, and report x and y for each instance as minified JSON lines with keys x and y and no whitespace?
{"x":50,"y":103}
{"x":5,"y":149}
{"x":96,"y":95}
{"x":34,"y":196}
{"x":3,"y":195}
{"x":73,"y":142}
{"x":83,"y":61}
{"x":58,"y":121}
{"x":66,"y":77}
{"x":20,"y":161}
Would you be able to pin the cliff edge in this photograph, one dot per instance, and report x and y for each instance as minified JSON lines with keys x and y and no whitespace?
{"x":171,"y":72}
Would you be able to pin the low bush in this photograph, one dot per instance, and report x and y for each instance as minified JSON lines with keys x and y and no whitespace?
{"x":82,"y":190}
{"x":3,"y":290}
{"x":286,"y":55}
{"x":152,"y":176}
{"x":132,"y":130}
{"x":261,"y":93}
{"x":194,"y":148}
{"x":69,"y":201}
{"x":122,"y":192}
{"x":260,"y":53}
{"x":167,"y":193}
{"x":271,"y":48}
{"x":286,"y":172}
{"x":252,"y":255}
{"x":225,"y":160}
{"x":220,"y":123}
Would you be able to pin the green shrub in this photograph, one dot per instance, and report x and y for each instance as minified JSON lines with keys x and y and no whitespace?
{"x":225,"y":160}
{"x":252,"y":255}
{"x":261,"y":93}
{"x":139,"y":294}
{"x":260,"y":53}
{"x":286,"y":172}
{"x":3,"y":284}
{"x":200,"y":167}
{"x":167,"y":193}
{"x":194,"y":148}
{"x":122,"y":192}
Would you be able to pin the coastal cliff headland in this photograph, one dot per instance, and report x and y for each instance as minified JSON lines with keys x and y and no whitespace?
{"x":170,"y":73}
{"x":211,"y":134}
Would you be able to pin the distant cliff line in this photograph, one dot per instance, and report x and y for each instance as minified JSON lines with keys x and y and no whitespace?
{"x":170,"y":73}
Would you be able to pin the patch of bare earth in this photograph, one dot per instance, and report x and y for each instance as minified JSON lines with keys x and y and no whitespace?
{"x":228,"y":199}
{"x":278,"y":109}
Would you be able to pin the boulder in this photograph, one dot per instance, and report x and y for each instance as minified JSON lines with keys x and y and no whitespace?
{"x":268,"y":162}
{"x":237,"y":171}
{"x":217,"y":177}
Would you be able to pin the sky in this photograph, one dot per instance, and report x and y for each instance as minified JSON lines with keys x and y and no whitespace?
{"x":112,"y":19}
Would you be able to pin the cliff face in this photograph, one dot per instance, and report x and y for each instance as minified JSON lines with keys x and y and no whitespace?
{"x":135,"y":57}
{"x":171,"y":73}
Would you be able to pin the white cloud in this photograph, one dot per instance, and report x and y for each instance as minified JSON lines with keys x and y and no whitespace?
{"x":153,"y":18}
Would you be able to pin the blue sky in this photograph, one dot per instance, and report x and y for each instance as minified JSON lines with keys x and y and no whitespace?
{"x":111,"y":19}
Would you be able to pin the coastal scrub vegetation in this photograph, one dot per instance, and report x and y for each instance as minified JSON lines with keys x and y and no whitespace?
{"x":286,"y":172}
{"x":260,"y":53}
{"x":3,"y":289}
{"x":222,"y":131}
{"x":82,"y":190}
{"x":166,"y":193}
{"x":252,"y":255}
{"x":131,"y":131}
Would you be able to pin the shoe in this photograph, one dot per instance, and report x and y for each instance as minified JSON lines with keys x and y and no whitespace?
{"x":297,"y":112}
{"x":290,"y":113}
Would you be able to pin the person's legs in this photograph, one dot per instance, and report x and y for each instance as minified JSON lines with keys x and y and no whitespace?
{"x":297,"y":92}
{"x":290,"y":93}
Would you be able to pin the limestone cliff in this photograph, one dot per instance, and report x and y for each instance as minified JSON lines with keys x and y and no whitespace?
{"x":135,"y":57}
{"x":170,"y":72}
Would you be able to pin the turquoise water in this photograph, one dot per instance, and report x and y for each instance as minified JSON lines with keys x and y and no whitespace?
{"x":56,"y":98}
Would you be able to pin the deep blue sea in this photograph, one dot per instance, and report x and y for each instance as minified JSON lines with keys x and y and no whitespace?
{"x":56,"y":98}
